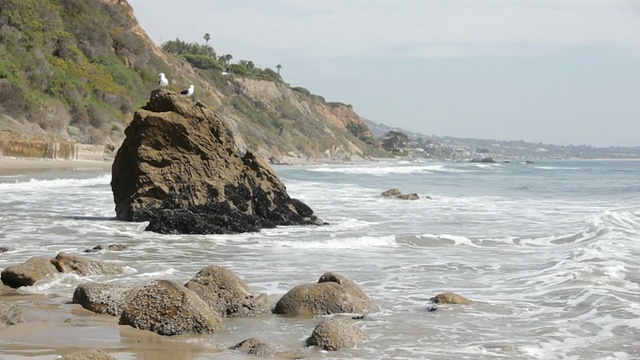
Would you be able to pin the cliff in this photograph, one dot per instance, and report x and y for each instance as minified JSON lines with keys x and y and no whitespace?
{"x":76,"y":70}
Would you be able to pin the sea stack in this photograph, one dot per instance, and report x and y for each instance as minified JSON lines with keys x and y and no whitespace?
{"x":179,"y":169}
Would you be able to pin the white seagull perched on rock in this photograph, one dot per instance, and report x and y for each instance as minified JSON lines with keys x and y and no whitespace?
{"x":163,"y":80}
{"x":187,"y":92}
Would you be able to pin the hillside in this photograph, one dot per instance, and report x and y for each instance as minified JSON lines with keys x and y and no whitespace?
{"x":77,"y":70}
{"x":450,"y":148}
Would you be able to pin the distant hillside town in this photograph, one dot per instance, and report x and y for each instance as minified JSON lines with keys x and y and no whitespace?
{"x":404,"y":143}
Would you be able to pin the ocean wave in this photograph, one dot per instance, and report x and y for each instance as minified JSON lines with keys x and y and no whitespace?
{"x":487,"y":165}
{"x":618,"y":220}
{"x":55,"y":283}
{"x":388,"y":170}
{"x":353,"y":243}
{"x":556,"y":168}
{"x":41,"y":184}
{"x":427,"y":240}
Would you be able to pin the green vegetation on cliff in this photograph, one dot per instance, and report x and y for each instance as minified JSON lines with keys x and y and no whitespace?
{"x":72,"y":66}
{"x":78,"y":69}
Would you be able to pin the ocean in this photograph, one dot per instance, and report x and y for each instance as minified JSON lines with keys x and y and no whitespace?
{"x":549,"y":252}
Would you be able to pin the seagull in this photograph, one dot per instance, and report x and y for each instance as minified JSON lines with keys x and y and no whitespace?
{"x":163,"y":80}
{"x":187,"y":92}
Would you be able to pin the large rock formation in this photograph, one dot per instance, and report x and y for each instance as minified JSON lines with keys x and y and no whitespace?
{"x":178,"y":169}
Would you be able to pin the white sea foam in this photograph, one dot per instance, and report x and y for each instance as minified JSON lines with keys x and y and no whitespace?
{"x":456,"y":239}
{"x":54,"y":283}
{"x":156,"y":274}
{"x":550,"y":262}
{"x":388,"y":170}
{"x":38,"y":184}
{"x":557,"y":168}
{"x":362,"y":242}
{"x":487,"y":165}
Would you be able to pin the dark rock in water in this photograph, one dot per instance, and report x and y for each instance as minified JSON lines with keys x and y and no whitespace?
{"x":412,"y":196}
{"x":450,"y":298}
{"x":179,"y":169}
{"x":395,"y":193}
{"x":392,"y":193}
{"x":483,"y":160}
{"x":112,"y":247}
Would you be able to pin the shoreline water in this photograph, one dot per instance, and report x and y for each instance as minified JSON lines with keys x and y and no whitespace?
{"x":559,"y":231}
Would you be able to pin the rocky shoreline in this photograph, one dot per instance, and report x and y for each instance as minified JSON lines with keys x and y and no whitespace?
{"x":164,"y":309}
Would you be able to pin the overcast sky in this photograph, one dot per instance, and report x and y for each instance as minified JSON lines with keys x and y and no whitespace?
{"x":552,"y":71}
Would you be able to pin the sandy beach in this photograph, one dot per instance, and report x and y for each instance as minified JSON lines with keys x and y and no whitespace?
{"x":13,"y":166}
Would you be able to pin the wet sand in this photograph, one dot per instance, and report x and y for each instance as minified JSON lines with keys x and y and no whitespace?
{"x":14,"y":166}
{"x":54,"y":327}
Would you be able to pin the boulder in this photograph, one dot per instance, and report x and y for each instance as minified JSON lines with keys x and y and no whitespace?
{"x":391,"y":193}
{"x":349,"y":285}
{"x":411,"y":196}
{"x":332,"y":294}
{"x":10,"y":315}
{"x":112,"y":247}
{"x":178,"y":168}
{"x":450,"y":298}
{"x":487,"y":160}
{"x":333,"y":334}
{"x":89,"y":354}
{"x":254,"y":347}
{"x":27,"y":273}
{"x":103,"y":298}
{"x":395,"y":193}
{"x":167,"y":308}
{"x":79,"y":265}
{"x":226,"y":293}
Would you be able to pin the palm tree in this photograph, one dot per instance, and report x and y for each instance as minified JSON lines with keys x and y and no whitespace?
{"x":278,"y":67}
{"x":226,"y":58}
{"x":207,"y":37}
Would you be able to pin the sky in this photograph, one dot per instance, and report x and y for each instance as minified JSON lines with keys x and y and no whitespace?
{"x":562,"y":72}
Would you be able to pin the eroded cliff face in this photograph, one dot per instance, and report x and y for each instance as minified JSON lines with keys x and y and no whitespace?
{"x":308,"y":115}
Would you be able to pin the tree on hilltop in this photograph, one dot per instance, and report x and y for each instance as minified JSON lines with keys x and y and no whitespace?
{"x":207,"y":37}
{"x":394,"y":140}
